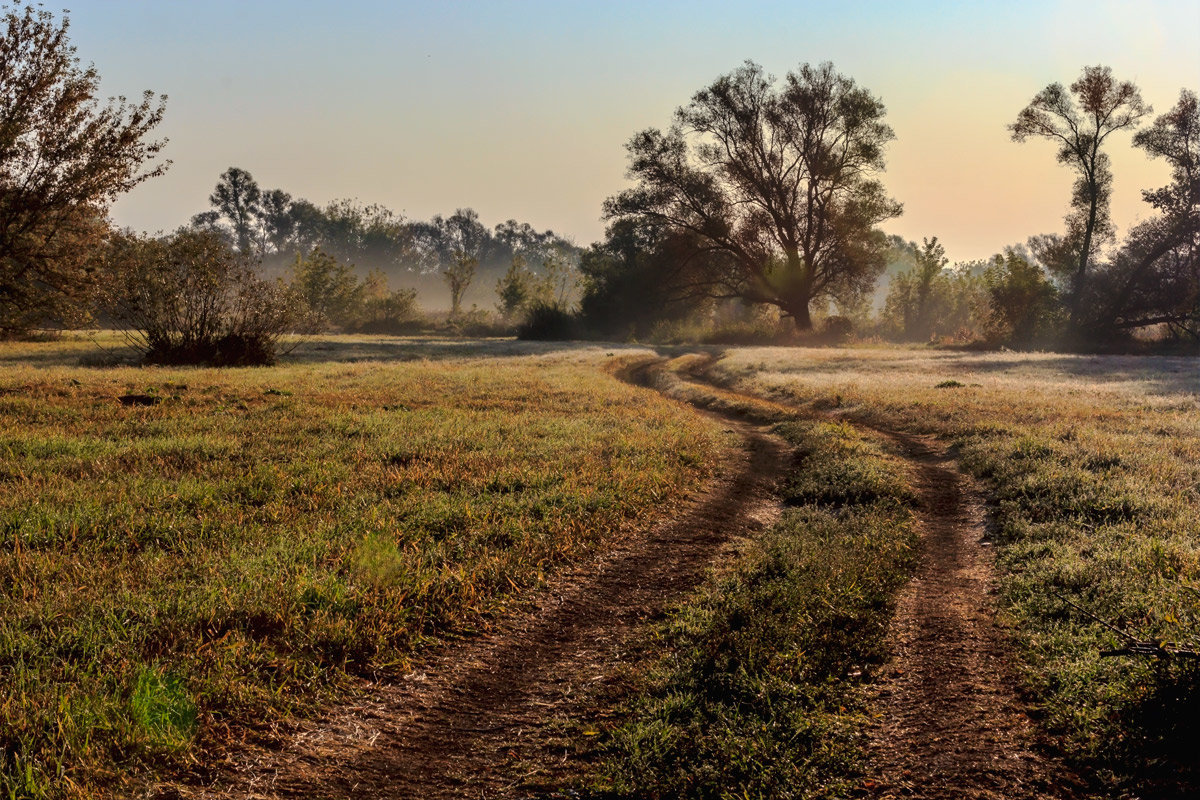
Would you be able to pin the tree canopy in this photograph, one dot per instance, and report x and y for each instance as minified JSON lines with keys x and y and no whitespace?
{"x":1079,"y":122}
{"x":781,"y":178}
{"x":64,"y":157}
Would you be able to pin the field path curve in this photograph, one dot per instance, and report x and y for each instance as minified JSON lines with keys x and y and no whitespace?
{"x":462,"y":724}
{"x":949,"y":722}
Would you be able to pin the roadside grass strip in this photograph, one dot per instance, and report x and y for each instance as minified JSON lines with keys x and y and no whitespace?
{"x":1091,"y":543}
{"x":758,"y":691}
{"x":236,"y":552}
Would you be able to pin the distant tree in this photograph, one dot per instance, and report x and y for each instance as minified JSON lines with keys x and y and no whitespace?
{"x":307,"y":223}
{"x":327,"y":288}
{"x":365,"y":234}
{"x":460,"y":242}
{"x":924,"y":304}
{"x":237,"y":198}
{"x":64,"y":157}
{"x":1022,"y":301}
{"x":1079,"y":122}
{"x":559,"y":278}
{"x":275,"y":219}
{"x":206,"y":220}
{"x":779,"y":179}
{"x":520,"y":238}
{"x":914,"y":296}
{"x":515,"y":288}
{"x":458,"y":275}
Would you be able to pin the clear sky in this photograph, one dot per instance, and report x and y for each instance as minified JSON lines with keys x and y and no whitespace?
{"x":521,"y":109}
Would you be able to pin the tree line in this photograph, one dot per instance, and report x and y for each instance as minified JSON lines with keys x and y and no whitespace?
{"x":282,"y":232}
{"x":768,"y":192}
{"x":761,"y":201}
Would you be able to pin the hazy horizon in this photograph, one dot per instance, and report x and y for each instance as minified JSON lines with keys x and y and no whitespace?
{"x":521,"y":110}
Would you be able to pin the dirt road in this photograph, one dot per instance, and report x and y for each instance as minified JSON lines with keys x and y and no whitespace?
{"x":951,"y":723}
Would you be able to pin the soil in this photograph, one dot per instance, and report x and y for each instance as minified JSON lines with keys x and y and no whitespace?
{"x":950,"y":719}
{"x":470,"y":721}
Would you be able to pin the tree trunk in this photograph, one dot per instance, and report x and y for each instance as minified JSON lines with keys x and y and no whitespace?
{"x":1081,"y":272}
{"x":801,"y":317}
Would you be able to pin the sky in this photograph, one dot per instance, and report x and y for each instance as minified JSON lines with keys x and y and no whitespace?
{"x":522,"y":109}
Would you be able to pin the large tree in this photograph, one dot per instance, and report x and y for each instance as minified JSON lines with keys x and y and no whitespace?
{"x":1079,"y":121}
{"x":780,"y":178}
{"x":64,"y":157}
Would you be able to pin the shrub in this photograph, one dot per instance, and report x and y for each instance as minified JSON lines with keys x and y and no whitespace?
{"x":328,"y":289}
{"x":1024,"y":307}
{"x":383,"y":310}
{"x":550,"y":322}
{"x":837,"y":329}
{"x":188,"y":298}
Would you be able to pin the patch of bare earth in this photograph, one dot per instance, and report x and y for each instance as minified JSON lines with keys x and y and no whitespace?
{"x":465,"y":722}
{"x":951,"y":722}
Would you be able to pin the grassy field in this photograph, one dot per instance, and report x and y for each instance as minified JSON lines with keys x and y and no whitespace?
{"x":1092,"y":469}
{"x":241,"y":547}
{"x":238,"y":548}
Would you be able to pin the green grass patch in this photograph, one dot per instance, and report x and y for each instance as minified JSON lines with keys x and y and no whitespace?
{"x":757,"y":695}
{"x":1080,"y":528}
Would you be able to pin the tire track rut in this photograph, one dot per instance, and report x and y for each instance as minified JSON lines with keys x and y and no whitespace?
{"x":950,"y":723}
{"x":461,"y":724}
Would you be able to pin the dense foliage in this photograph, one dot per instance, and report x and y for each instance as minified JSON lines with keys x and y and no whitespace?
{"x":64,"y":158}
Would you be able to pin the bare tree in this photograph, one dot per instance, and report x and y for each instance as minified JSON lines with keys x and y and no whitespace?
{"x":781,"y":179}
{"x":64,"y":157}
{"x":1079,"y":121}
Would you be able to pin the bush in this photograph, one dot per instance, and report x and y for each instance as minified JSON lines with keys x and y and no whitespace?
{"x":328,"y":289}
{"x":837,"y":329}
{"x":188,"y":298}
{"x":1023,"y":302}
{"x":383,"y":310}
{"x":548,"y":322}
